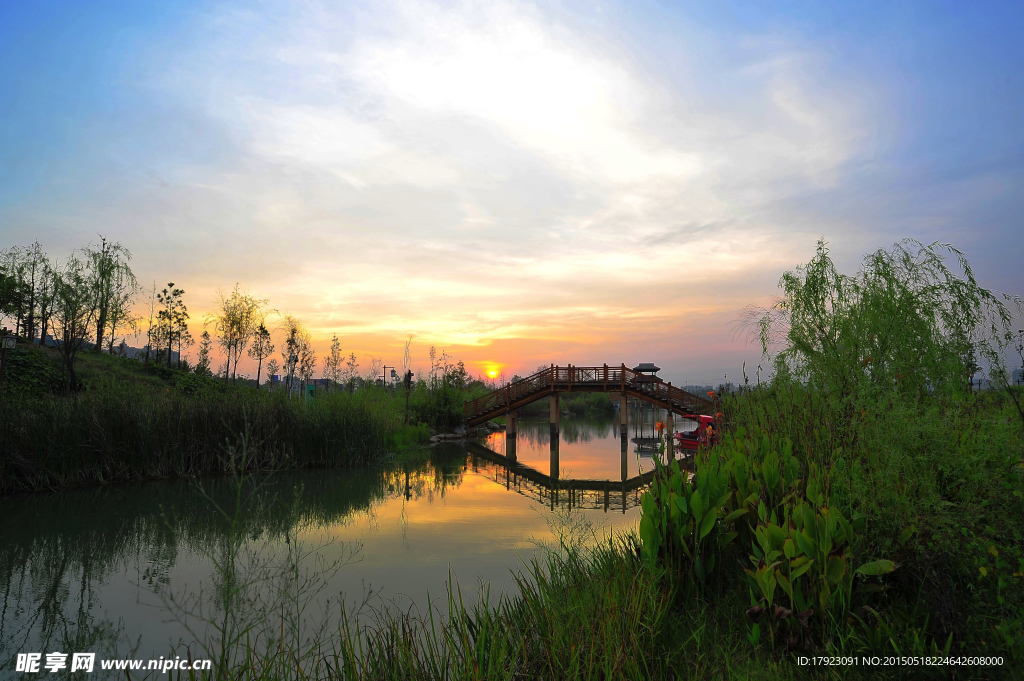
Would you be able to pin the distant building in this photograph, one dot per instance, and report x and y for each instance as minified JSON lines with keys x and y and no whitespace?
{"x":122,"y":350}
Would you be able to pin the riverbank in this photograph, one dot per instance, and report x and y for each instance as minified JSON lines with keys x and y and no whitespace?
{"x":132,"y":421}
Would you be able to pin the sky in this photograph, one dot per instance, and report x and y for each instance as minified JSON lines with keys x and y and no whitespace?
{"x":516,"y":184}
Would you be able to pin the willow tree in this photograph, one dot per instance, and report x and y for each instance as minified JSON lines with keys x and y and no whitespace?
{"x":907,"y":322}
{"x":113,"y":286}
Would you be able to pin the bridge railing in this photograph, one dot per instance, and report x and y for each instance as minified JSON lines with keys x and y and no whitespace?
{"x":561,"y":378}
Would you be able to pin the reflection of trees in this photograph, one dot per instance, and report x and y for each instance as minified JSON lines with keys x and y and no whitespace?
{"x":57,"y":551}
{"x":573,"y":430}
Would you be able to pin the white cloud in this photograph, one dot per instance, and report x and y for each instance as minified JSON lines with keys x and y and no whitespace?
{"x":448,"y":160}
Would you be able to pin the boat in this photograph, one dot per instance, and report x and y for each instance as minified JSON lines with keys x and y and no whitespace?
{"x":692,"y":439}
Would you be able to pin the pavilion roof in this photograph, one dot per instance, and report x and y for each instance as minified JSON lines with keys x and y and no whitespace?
{"x":647,"y":368}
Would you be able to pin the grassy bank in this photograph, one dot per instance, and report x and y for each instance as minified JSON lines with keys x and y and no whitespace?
{"x":133,"y":421}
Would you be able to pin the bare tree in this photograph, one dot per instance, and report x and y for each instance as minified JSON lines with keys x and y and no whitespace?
{"x":375,"y":368}
{"x":150,"y":331}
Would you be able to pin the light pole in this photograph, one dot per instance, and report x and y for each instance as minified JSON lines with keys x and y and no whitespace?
{"x":384,"y":373}
{"x":407,"y":379}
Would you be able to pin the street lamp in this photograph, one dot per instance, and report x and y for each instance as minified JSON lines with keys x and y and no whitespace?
{"x":384,"y":373}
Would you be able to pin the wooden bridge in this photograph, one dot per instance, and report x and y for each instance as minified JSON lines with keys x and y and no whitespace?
{"x":554,"y":380}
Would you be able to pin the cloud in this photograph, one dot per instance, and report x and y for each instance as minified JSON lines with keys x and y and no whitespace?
{"x":476,"y":173}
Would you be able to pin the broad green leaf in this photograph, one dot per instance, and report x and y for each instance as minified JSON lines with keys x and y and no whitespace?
{"x":697,"y":506}
{"x":734,"y":515}
{"x":708,"y":523}
{"x":786,"y":585}
{"x":835,"y":569}
{"x":876,"y":567}
{"x":796,"y":572}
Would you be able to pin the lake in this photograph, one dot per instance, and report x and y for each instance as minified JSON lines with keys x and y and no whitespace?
{"x":92,"y":569}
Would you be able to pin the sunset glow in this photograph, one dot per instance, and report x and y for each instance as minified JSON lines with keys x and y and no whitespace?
{"x":512,"y":184}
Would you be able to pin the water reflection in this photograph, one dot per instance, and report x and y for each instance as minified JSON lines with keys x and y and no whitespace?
{"x":81,"y":570}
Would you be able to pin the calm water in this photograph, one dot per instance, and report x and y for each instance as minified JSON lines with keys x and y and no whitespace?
{"x":84,"y":570}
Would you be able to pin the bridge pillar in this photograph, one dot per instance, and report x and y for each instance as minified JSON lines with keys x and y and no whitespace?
{"x":510,"y":446}
{"x":624,"y":448}
{"x":554,"y":459}
{"x":554,"y":416}
{"x":623,"y":414}
{"x":510,"y":422}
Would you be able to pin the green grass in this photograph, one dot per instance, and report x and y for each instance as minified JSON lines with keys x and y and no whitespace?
{"x":134,"y":421}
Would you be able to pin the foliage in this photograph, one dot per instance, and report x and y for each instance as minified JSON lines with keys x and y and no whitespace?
{"x":262,"y":347}
{"x":238,"y":317}
{"x":128,"y":425}
{"x":871,"y":388}
{"x":333,"y":362}
{"x":439,"y":399}
{"x":202,"y":367}
{"x":906,"y":322}
{"x":172,"y":322}
{"x":114,"y":287}
{"x":73,"y":313}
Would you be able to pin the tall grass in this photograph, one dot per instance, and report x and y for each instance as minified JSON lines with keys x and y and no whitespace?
{"x":129,"y":433}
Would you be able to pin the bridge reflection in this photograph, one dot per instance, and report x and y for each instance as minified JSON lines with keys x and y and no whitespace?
{"x":553,"y":489}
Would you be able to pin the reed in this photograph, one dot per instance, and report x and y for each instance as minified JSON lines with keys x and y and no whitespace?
{"x":127,"y":433}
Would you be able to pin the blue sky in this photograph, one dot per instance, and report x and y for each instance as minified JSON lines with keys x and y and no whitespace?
{"x":519,"y":183}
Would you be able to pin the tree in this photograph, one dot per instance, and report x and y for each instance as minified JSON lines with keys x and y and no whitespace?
{"x":261,"y":348}
{"x":172,"y":321}
{"x":44,"y":300}
{"x":113,"y":284}
{"x":151,"y":333}
{"x":297,"y":351}
{"x":203,"y":360}
{"x":307,"y":362}
{"x":272,"y":369}
{"x":351,"y":370}
{"x":333,"y":362}
{"x":27,"y":279}
{"x":238,"y":317}
{"x":73,"y":312}
{"x":906,"y":322}
{"x":376,"y":363}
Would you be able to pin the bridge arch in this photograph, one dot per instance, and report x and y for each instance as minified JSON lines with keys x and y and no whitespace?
{"x":608,"y":379}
